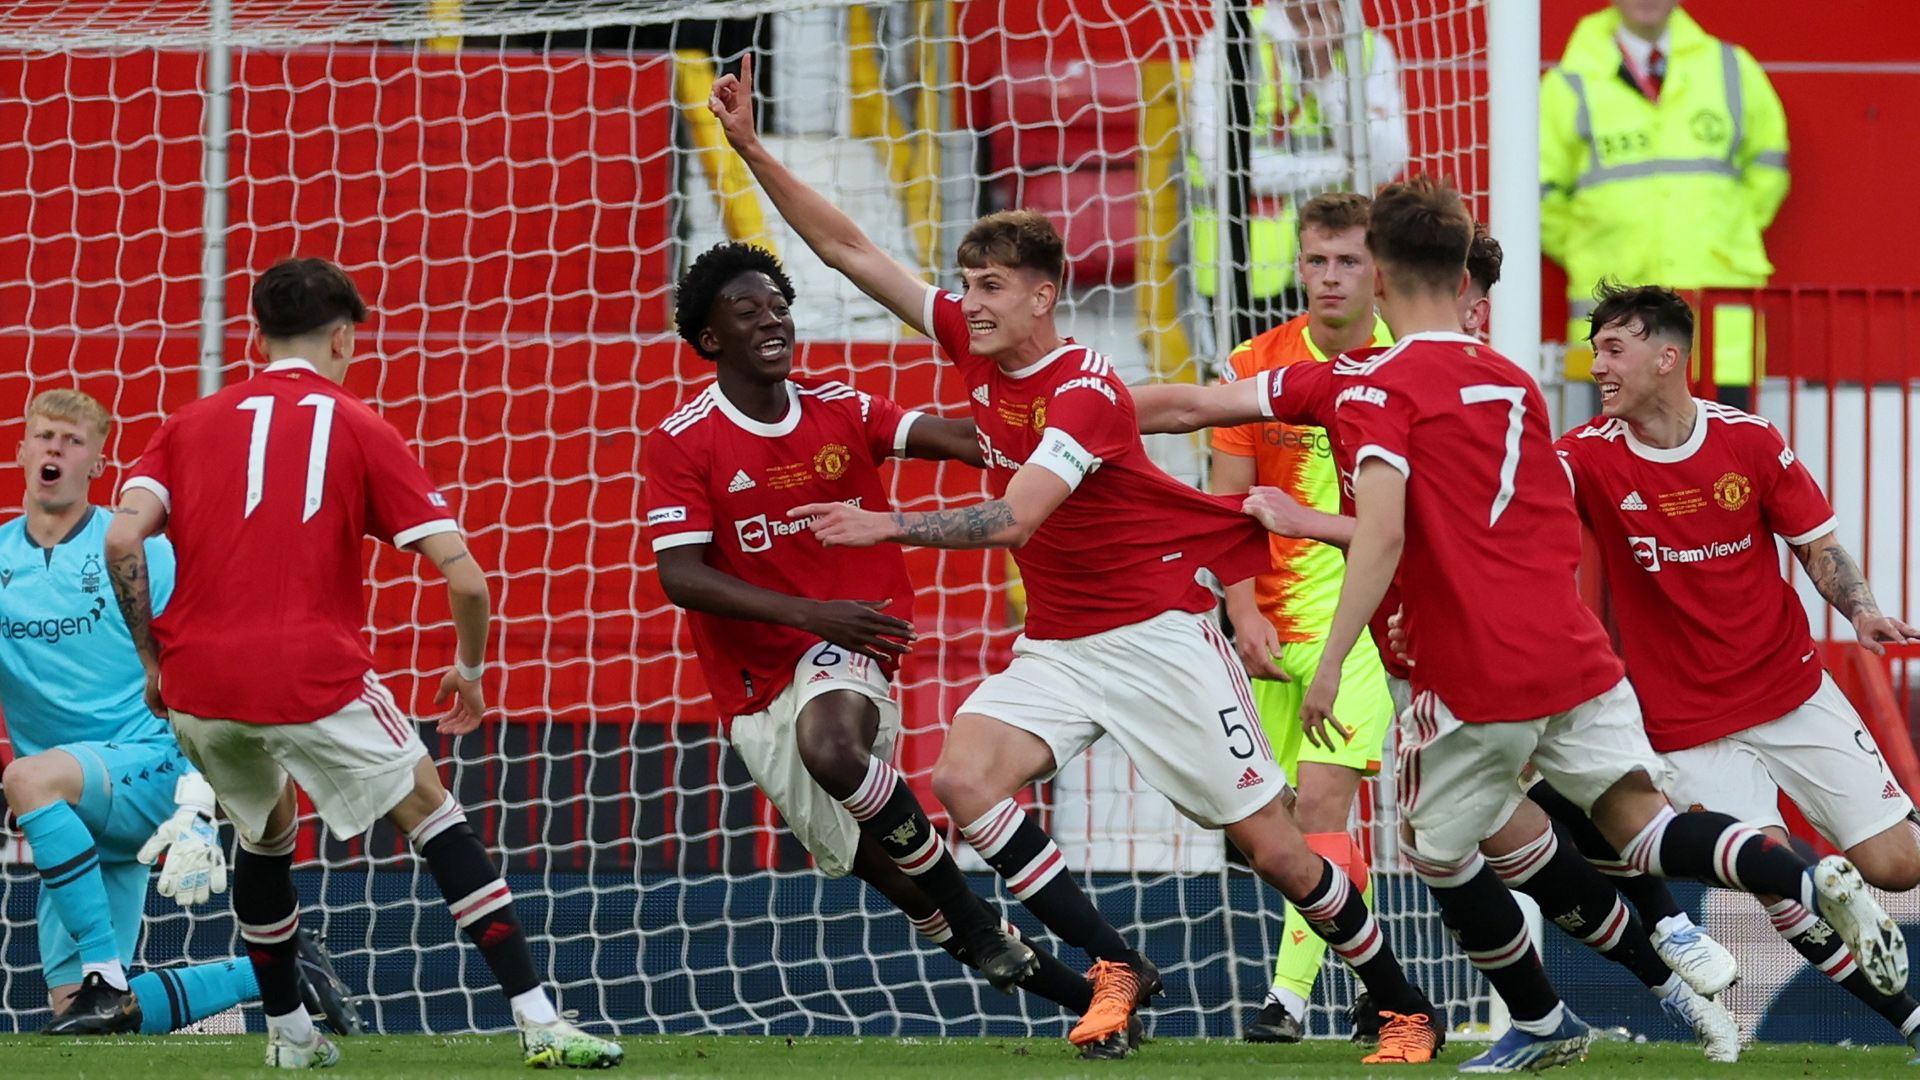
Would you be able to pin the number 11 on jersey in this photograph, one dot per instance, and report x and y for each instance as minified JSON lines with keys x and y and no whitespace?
{"x":261,"y":406}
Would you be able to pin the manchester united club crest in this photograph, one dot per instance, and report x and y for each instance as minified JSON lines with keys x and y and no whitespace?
{"x":1731,"y":491}
{"x":830,"y":462}
{"x":1039,"y":414}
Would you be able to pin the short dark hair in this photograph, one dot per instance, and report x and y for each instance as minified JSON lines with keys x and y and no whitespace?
{"x":1335,"y":211}
{"x":694,"y":294}
{"x":295,"y":297}
{"x":1419,"y":231}
{"x":1483,"y":259}
{"x":1658,"y":309}
{"x":1016,"y":238}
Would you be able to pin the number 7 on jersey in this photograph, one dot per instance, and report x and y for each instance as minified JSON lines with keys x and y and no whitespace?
{"x":1516,"y":399}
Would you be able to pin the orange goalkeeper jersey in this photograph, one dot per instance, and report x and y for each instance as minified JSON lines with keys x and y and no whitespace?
{"x":1299,"y":594}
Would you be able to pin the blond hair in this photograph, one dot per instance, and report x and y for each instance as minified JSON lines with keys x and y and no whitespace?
{"x":72,"y":406}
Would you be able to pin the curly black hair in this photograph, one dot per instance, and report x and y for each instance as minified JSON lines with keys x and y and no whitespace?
{"x":694,"y":293}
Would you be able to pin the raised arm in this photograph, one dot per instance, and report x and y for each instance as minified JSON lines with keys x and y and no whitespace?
{"x":859,"y":626}
{"x":1841,"y":584}
{"x":830,"y":233}
{"x":470,"y":602}
{"x":1162,"y":408}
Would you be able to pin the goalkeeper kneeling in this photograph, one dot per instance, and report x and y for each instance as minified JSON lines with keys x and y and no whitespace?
{"x":98,"y":785}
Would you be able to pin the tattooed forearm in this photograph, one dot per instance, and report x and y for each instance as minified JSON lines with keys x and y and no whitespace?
{"x":131,"y":589}
{"x":970,"y":526}
{"x":1838,"y":578}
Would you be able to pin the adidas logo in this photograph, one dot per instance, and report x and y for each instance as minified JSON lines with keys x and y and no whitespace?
{"x":820,"y":676}
{"x":741,"y":482}
{"x":980,"y":395}
{"x":1249,"y":779}
{"x":1633,"y":501}
{"x":1891,"y":791}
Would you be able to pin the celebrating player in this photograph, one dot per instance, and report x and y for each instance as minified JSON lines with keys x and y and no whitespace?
{"x":99,"y":786}
{"x":1526,"y":850}
{"x":1452,"y":475}
{"x":1118,"y":641}
{"x":802,"y":674}
{"x":1685,"y":498}
{"x":1280,"y":617}
{"x":267,"y":488}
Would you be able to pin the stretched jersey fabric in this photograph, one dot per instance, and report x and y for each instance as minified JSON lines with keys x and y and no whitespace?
{"x":721,"y":479}
{"x":1715,"y":639}
{"x":1303,"y":394}
{"x":1299,"y":594}
{"x":68,"y":669}
{"x":1128,"y":542}
{"x":1492,"y":540}
{"x":270,"y":486}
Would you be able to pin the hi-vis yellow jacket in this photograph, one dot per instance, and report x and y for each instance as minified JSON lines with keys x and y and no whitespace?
{"x":1672,"y":193}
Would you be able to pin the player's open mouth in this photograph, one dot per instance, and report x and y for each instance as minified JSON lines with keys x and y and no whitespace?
{"x":980,"y":328}
{"x":772,"y":347}
{"x":49,"y":473}
{"x":1609,"y":391}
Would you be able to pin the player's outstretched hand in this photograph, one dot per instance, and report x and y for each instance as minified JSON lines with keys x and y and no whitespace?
{"x":862,"y":627}
{"x":1258,"y":643}
{"x":1397,"y":635}
{"x":1276,"y":511}
{"x":196,"y":866}
{"x":838,"y":524}
{"x":468,"y":706}
{"x":1316,"y":711}
{"x":732,"y":104}
{"x":1877,"y":631}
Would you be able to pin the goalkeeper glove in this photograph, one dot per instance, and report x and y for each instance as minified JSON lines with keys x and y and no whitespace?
{"x":196,"y":865}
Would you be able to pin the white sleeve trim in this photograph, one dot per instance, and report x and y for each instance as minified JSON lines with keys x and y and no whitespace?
{"x":148,"y":483}
{"x":1572,"y":484}
{"x":1813,"y":534}
{"x":1062,"y":455}
{"x":1269,"y":389}
{"x":900,"y":433}
{"x":425,"y":529}
{"x":1383,"y":454}
{"x":662,"y":543}
{"x":926,"y":310}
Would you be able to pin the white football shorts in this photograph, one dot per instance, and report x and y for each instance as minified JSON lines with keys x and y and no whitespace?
{"x":1820,"y":754}
{"x":1169,"y":690}
{"x":765,"y":742}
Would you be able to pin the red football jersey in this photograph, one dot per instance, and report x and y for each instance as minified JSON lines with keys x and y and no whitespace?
{"x":1306,"y":397}
{"x":1716,"y":641}
{"x":270,"y":486}
{"x":1492,"y":540}
{"x":722,"y":479}
{"x":1127,"y":543}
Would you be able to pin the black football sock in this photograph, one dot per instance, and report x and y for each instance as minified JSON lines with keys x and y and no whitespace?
{"x":476,"y":895}
{"x":1052,"y":979}
{"x":1582,"y":902}
{"x":1718,"y":850}
{"x":1487,"y":923}
{"x":886,"y":810}
{"x":1035,"y":871}
{"x":1337,"y":912}
{"x":1648,"y":894}
{"x":1815,"y":940}
{"x":268,"y":911}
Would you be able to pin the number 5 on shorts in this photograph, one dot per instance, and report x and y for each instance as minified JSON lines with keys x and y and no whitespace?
{"x":1237,"y":727}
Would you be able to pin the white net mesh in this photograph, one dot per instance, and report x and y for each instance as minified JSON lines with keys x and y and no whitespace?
{"x":515,"y":207}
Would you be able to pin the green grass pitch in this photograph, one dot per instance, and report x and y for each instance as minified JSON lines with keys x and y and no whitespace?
{"x":778,"y":1058}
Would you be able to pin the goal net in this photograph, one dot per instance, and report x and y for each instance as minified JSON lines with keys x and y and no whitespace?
{"x":514,"y":185}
